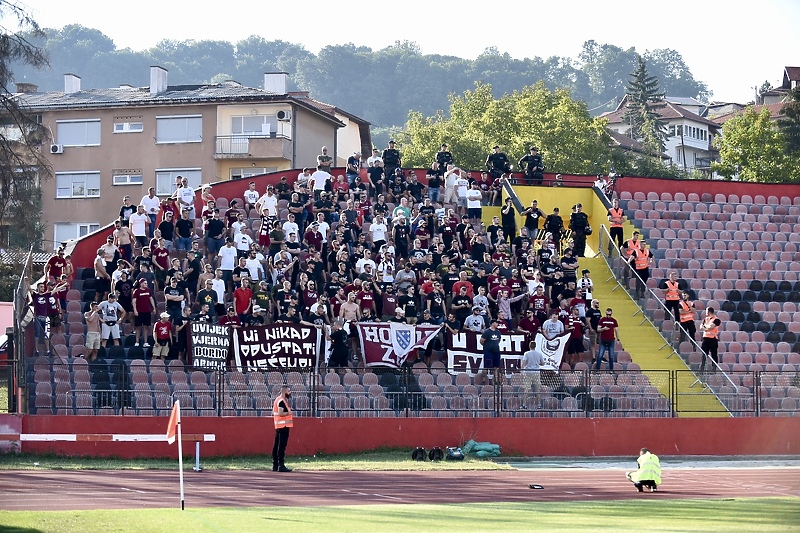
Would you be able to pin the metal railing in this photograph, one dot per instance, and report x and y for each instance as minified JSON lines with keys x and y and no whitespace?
{"x":654,"y":311}
{"x":125,"y":389}
{"x":19,"y":335}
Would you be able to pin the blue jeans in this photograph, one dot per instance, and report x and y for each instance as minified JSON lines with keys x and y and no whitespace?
{"x":605,"y":347}
{"x":152,"y":227}
{"x":434,"y":193}
{"x":41,"y":327}
{"x":214,"y":245}
{"x":183,"y":243}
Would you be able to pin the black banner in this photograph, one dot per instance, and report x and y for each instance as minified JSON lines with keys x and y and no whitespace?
{"x":465,"y":352}
{"x":275,"y":347}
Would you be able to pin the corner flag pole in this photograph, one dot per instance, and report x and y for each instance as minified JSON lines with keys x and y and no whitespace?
{"x":180,"y":452}
{"x":174,"y":427}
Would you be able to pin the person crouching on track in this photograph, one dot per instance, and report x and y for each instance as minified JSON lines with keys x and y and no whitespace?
{"x":649,"y":472}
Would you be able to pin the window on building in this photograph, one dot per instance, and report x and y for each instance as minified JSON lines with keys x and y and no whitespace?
{"x":65,"y":231}
{"x":672,"y":131}
{"x":249,"y":172}
{"x":127,"y":176}
{"x":179,"y":129}
{"x":77,"y":185}
{"x":165,"y":179}
{"x":254,"y":125}
{"x":78,"y":132}
{"x":128,"y":124}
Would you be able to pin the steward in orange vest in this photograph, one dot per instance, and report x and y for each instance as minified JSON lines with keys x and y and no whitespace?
{"x":616,"y":217}
{"x":282,"y":416}
{"x":710,"y":329}
{"x":672,"y":295}
{"x":686,"y":314}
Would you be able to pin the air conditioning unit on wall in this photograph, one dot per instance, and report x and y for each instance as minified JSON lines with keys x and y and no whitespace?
{"x":284,"y":116}
{"x":56,"y":148}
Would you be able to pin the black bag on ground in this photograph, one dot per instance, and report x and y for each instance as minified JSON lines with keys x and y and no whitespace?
{"x":419,"y":454}
{"x":436,"y":454}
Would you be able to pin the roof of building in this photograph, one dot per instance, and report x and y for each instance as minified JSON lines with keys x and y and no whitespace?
{"x":684,"y":100}
{"x":790,"y":74}
{"x":225,"y":92}
{"x":667,"y":111}
{"x":626,"y":143}
{"x":774,"y":112}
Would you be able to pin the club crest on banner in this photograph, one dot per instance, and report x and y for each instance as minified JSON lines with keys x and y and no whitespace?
{"x":552,"y":349}
{"x":403,"y":338}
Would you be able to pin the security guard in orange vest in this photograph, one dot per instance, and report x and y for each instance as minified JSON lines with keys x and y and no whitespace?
{"x":641,"y":265}
{"x":282,"y":415}
{"x":672,"y":295}
{"x":627,"y":250}
{"x":616,"y":217}
{"x":710,"y":329}
{"x":686,"y":315}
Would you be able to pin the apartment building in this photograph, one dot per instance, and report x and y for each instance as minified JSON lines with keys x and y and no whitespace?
{"x":110,"y":143}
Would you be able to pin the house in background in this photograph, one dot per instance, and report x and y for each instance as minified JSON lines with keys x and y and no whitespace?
{"x":689,"y":135}
{"x":791,"y":77}
{"x":110,"y":143}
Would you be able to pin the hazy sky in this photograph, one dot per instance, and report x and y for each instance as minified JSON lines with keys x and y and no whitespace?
{"x":731,"y":46}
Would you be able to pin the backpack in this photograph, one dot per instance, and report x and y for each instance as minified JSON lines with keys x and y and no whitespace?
{"x":419,"y":454}
{"x":436,"y":454}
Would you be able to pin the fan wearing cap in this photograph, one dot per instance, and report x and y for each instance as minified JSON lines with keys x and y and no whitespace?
{"x":475,"y":321}
{"x":162,"y":334}
{"x":353,"y":167}
{"x":258,"y":318}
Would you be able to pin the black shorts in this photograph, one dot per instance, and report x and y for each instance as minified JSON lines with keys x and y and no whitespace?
{"x":575,"y":346}
{"x":143,"y":319}
{"x":491,"y":359}
{"x":338,"y":358}
{"x":102,"y":285}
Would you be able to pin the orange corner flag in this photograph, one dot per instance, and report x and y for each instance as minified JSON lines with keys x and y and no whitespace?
{"x":174,"y":420}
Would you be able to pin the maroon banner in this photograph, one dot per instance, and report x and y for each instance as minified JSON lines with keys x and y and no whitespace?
{"x":465,"y":353}
{"x":391,"y":343}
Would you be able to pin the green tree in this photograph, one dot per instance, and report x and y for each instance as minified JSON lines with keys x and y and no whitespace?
{"x":676,"y":79}
{"x":607,"y":67}
{"x":569,"y":139}
{"x":789,"y":124}
{"x":753,"y":148}
{"x":645,"y":98}
{"x":22,"y":165}
{"x":765,"y":88}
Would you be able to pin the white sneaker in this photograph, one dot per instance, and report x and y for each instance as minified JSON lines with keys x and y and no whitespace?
{"x":146,"y":345}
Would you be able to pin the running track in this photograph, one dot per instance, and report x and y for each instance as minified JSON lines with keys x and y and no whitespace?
{"x":124,"y":489}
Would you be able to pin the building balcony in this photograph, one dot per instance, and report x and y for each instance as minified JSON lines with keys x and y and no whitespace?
{"x":272,"y":146}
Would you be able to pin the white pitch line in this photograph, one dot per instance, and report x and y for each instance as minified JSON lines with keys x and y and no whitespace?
{"x":387,"y":497}
{"x":134,"y":490}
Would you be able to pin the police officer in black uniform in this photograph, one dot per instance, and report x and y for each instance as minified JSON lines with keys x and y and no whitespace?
{"x":391,"y":161}
{"x":579,"y":223}
{"x":497,"y":162}
{"x":444,"y":158}
{"x":532,"y":163}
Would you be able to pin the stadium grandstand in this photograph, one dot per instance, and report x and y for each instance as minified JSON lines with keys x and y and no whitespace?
{"x":734,"y":247}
